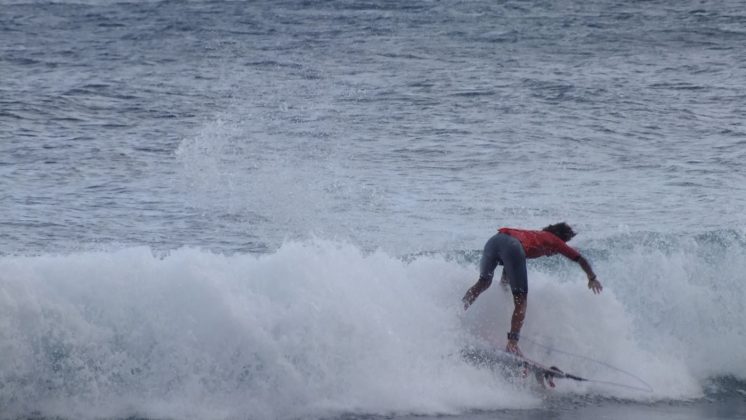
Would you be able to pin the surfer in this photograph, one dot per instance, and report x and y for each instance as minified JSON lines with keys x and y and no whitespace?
{"x":510,"y":248}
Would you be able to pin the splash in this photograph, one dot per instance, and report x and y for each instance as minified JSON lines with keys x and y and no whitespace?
{"x":322,"y":328}
{"x":314,"y":329}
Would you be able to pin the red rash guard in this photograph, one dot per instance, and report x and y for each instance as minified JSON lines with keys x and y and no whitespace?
{"x":538,"y":243}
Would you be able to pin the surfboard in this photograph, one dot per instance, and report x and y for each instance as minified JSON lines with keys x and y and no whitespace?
{"x":510,"y":364}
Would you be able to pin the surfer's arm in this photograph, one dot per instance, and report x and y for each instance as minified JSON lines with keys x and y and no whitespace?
{"x":593,"y":283}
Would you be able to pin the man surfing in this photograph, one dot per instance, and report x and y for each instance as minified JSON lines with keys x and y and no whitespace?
{"x":510,"y":248}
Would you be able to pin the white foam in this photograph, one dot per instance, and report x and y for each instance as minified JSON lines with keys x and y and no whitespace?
{"x":313,"y":329}
{"x":320,"y":328}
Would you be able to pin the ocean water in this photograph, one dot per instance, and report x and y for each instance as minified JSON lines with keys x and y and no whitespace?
{"x":271,"y":209}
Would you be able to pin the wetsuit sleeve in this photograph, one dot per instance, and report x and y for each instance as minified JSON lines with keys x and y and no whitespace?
{"x":562,"y":248}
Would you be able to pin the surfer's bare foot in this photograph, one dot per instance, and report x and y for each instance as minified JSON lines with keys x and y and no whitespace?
{"x":512,"y":347}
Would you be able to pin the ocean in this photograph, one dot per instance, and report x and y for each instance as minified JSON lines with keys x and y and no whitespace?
{"x":256,"y":210}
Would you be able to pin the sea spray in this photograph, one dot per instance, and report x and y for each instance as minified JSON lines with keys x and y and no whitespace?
{"x":315,"y":328}
{"x":322,"y":328}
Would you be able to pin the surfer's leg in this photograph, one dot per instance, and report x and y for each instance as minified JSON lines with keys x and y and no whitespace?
{"x":474,"y":291}
{"x":504,"y":282}
{"x":490,"y":259}
{"x":516,"y":323}
{"x":520,"y":300}
{"x":514,"y":259}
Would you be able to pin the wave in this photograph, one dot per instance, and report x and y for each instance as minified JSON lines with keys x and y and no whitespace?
{"x":322,"y":328}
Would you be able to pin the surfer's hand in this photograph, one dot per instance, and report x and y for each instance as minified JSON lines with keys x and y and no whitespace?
{"x":512,"y":347}
{"x":595,"y":286}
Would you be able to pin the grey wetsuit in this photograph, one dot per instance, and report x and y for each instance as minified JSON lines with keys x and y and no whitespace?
{"x":507,"y":251}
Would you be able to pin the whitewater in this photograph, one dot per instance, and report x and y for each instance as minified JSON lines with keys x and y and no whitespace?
{"x":321,"y":328}
{"x":261,"y":210}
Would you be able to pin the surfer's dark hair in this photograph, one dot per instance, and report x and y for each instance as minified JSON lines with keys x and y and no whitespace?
{"x":561,"y":230}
